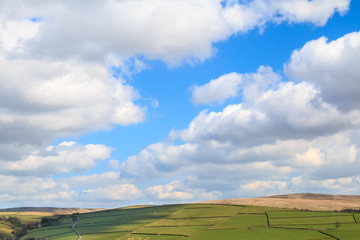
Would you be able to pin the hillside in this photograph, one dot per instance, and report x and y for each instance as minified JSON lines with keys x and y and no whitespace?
{"x":274,"y":217}
{"x":311,"y":201}
{"x":48,"y":210}
{"x":201,"y":222}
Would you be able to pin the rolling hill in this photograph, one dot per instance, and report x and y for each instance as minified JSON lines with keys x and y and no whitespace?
{"x":311,"y":201}
{"x":50,"y":210}
{"x":220,"y":219}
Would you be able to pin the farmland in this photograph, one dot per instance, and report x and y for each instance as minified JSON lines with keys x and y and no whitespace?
{"x":201,"y":222}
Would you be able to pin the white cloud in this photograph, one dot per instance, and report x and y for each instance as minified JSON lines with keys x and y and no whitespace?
{"x":119,"y":192}
{"x":312,"y":157}
{"x":243,"y":17}
{"x":317,"y":12}
{"x":264,"y":186}
{"x":217,"y":90}
{"x":333,"y":66}
{"x":94,"y":180}
{"x":281,"y":129}
{"x":288,"y":110}
{"x":32,"y":190}
{"x":64,"y":158}
{"x":177,"y":191}
{"x":15,"y":33}
{"x":250,"y":85}
{"x":55,"y":82}
{"x":346,"y":185}
{"x":55,"y":58}
{"x":40,"y":101}
{"x":169,"y":191}
{"x":175,"y":31}
{"x":157,"y":160}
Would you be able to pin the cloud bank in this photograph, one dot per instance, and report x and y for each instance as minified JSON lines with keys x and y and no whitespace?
{"x":57,"y":81}
{"x":285,"y":135}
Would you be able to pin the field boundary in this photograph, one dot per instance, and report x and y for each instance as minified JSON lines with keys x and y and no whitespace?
{"x":267,"y":219}
{"x":327,"y":234}
{"x":348,"y":215}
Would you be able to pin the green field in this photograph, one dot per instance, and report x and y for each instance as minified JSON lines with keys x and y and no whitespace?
{"x":9,"y":227}
{"x":5,"y":230}
{"x":201,"y":222}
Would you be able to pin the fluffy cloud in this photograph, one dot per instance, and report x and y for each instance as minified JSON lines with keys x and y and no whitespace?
{"x":56,"y":81}
{"x":95,"y":180}
{"x":250,"y":85}
{"x":258,"y":185}
{"x":283,"y":137}
{"x":257,"y":13}
{"x":64,"y":158}
{"x":55,"y":57}
{"x":175,"y":31}
{"x":179,"y":192}
{"x":40,"y":101}
{"x":333,"y":66}
{"x":232,"y":169}
{"x":120,"y":192}
{"x":291,"y":110}
{"x":217,"y":90}
{"x":30,"y":190}
{"x":170,"y":191}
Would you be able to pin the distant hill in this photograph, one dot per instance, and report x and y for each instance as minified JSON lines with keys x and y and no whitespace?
{"x":49,"y":210}
{"x":318,"y":196}
{"x":310,"y":201}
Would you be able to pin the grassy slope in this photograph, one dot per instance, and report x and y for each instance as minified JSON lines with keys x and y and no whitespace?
{"x":315,"y":202}
{"x":5,"y":230}
{"x":204,"y":222}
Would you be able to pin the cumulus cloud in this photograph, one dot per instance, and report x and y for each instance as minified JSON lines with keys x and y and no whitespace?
{"x":170,"y":191}
{"x":29,"y":190}
{"x":94,"y":180}
{"x":56,"y":81}
{"x":217,"y":90}
{"x":259,"y":185}
{"x":177,"y":191}
{"x":288,"y":111}
{"x":119,"y":192}
{"x":40,"y":101}
{"x":175,"y":31}
{"x":55,"y":57}
{"x":249,"y":85}
{"x":256,"y":13}
{"x":333,"y":66}
{"x":283,"y":137}
{"x":157,"y":160}
{"x":63,"y":158}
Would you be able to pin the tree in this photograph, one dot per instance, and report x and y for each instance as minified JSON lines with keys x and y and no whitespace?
{"x":337,"y":224}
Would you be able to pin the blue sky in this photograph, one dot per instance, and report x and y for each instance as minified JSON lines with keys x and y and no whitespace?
{"x":114,"y":103}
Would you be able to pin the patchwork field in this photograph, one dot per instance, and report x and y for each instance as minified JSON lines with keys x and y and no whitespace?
{"x":201,"y":222}
{"x":11,"y":221}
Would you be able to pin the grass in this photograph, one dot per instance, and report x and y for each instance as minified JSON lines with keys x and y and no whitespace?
{"x":203,"y":222}
{"x":294,"y":214}
{"x":346,"y":231}
{"x":242,"y":221}
{"x":258,"y":233}
{"x":357,"y":217}
{"x":27,"y":216}
{"x":5,"y":230}
{"x":311,"y":220}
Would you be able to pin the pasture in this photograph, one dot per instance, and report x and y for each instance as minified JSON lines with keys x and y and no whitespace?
{"x":202,"y":222}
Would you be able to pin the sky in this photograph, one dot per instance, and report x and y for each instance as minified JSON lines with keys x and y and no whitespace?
{"x":110,"y":103}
